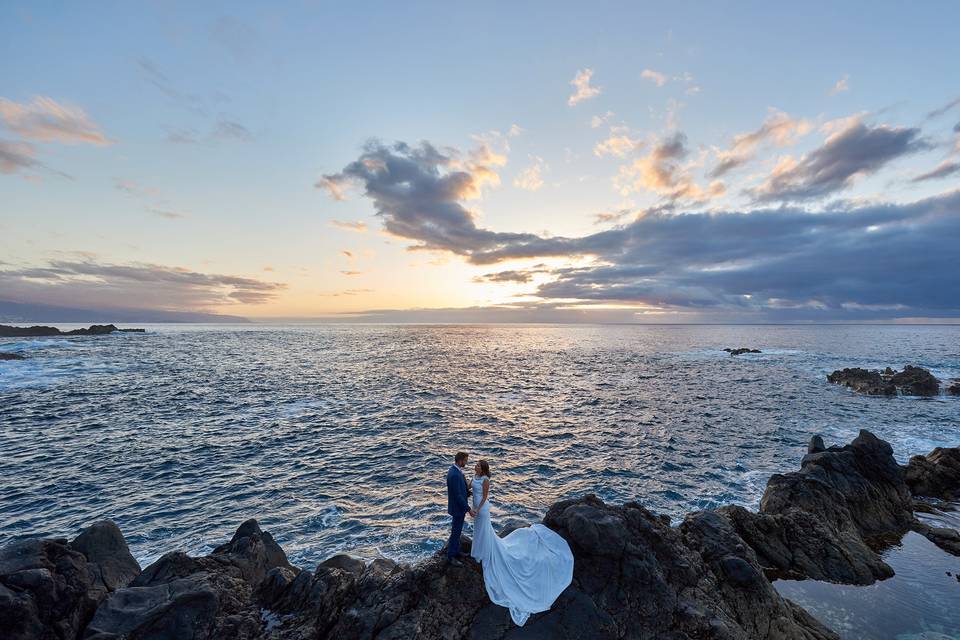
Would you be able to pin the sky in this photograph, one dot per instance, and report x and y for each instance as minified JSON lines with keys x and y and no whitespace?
{"x":597,"y":162}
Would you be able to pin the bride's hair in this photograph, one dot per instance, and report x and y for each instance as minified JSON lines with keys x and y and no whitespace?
{"x":484,"y":468}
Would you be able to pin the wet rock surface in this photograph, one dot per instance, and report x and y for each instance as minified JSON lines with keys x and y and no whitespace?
{"x":741,"y":350}
{"x":11,"y":356}
{"x":635,"y":576}
{"x":912,"y":381}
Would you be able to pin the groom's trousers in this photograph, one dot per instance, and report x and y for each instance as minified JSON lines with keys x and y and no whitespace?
{"x":453,"y":545}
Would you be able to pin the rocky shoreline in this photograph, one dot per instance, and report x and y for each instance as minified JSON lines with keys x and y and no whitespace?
{"x":635,"y":575}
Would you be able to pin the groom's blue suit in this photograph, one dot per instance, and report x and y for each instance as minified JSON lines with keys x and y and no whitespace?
{"x":456,"y":507}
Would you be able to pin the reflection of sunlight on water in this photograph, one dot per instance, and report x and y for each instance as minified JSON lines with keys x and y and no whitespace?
{"x":922,"y":601}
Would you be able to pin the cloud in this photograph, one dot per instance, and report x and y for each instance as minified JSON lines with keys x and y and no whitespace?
{"x":778,"y":259}
{"x":506,"y":276}
{"x":605,"y":217}
{"x":352,"y":273}
{"x":850,"y":261}
{"x":346,"y":254}
{"x":778,"y":128}
{"x":358,"y":227}
{"x":662,"y":172}
{"x":936,"y":113}
{"x":148,"y":286}
{"x":229,"y":130}
{"x":135,"y":189}
{"x":46,"y":120}
{"x":843,"y":84}
{"x":188,"y":101}
{"x":15,"y":156}
{"x":619,"y":143}
{"x":420,"y":194}
{"x":169,"y":215}
{"x":943,"y":170}
{"x":598,"y":121}
{"x":583,"y":90}
{"x":846,"y":155}
{"x":655,"y":77}
{"x":182,"y":136}
{"x":531,"y":178}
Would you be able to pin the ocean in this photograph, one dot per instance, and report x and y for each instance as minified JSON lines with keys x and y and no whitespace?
{"x":337,"y":437}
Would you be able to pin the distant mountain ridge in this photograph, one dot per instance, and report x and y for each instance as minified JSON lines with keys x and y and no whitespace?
{"x":26,"y":312}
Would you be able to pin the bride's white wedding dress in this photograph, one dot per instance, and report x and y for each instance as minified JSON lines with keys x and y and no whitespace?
{"x":525,"y":571}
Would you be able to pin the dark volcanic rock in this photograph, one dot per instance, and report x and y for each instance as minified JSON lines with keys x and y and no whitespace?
{"x":635,"y":576}
{"x":871,"y":383}
{"x":859,"y":485}
{"x":104,"y":547}
{"x":741,"y":351}
{"x":656,"y":581}
{"x":47,"y":590}
{"x":43,"y":331}
{"x":935,"y":475}
{"x":914,"y":381}
{"x":11,"y":356}
{"x":183,"y":597}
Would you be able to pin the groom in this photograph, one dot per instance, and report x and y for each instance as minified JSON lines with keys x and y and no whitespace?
{"x":457,"y":505}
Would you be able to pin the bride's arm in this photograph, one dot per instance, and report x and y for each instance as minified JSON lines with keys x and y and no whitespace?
{"x":486,"y":492}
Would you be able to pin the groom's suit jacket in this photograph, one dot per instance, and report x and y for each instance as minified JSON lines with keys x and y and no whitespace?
{"x":456,"y":492}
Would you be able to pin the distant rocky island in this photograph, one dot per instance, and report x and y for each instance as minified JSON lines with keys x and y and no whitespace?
{"x":741,"y":350}
{"x":635,"y":575}
{"x":912,"y":381}
{"x":39,"y":331}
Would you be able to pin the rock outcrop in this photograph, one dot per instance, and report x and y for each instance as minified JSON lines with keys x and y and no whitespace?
{"x":741,"y":351}
{"x":39,"y":331}
{"x":635,"y":576}
{"x":871,"y":383}
{"x":912,"y":381}
{"x":51,"y":588}
{"x":935,"y":475}
{"x":11,"y":356}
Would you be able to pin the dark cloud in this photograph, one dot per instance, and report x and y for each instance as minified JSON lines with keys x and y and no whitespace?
{"x":15,"y":156}
{"x":855,"y":151}
{"x":419,"y":193}
{"x":936,"y":113}
{"x":506,"y":276}
{"x":943,"y":170}
{"x":846,"y":261}
{"x":881,"y":259}
{"x":778,"y":127}
{"x":146,"y":286}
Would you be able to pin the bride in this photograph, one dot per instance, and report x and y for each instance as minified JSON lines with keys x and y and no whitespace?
{"x":525,"y":571}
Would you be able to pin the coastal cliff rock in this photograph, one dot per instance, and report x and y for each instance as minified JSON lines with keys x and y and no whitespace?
{"x":635,"y":575}
{"x":39,"y":331}
{"x":912,"y":381}
{"x":193,"y":598}
{"x":51,"y":588}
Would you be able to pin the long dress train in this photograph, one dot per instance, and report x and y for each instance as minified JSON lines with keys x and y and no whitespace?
{"x":527,"y":570}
